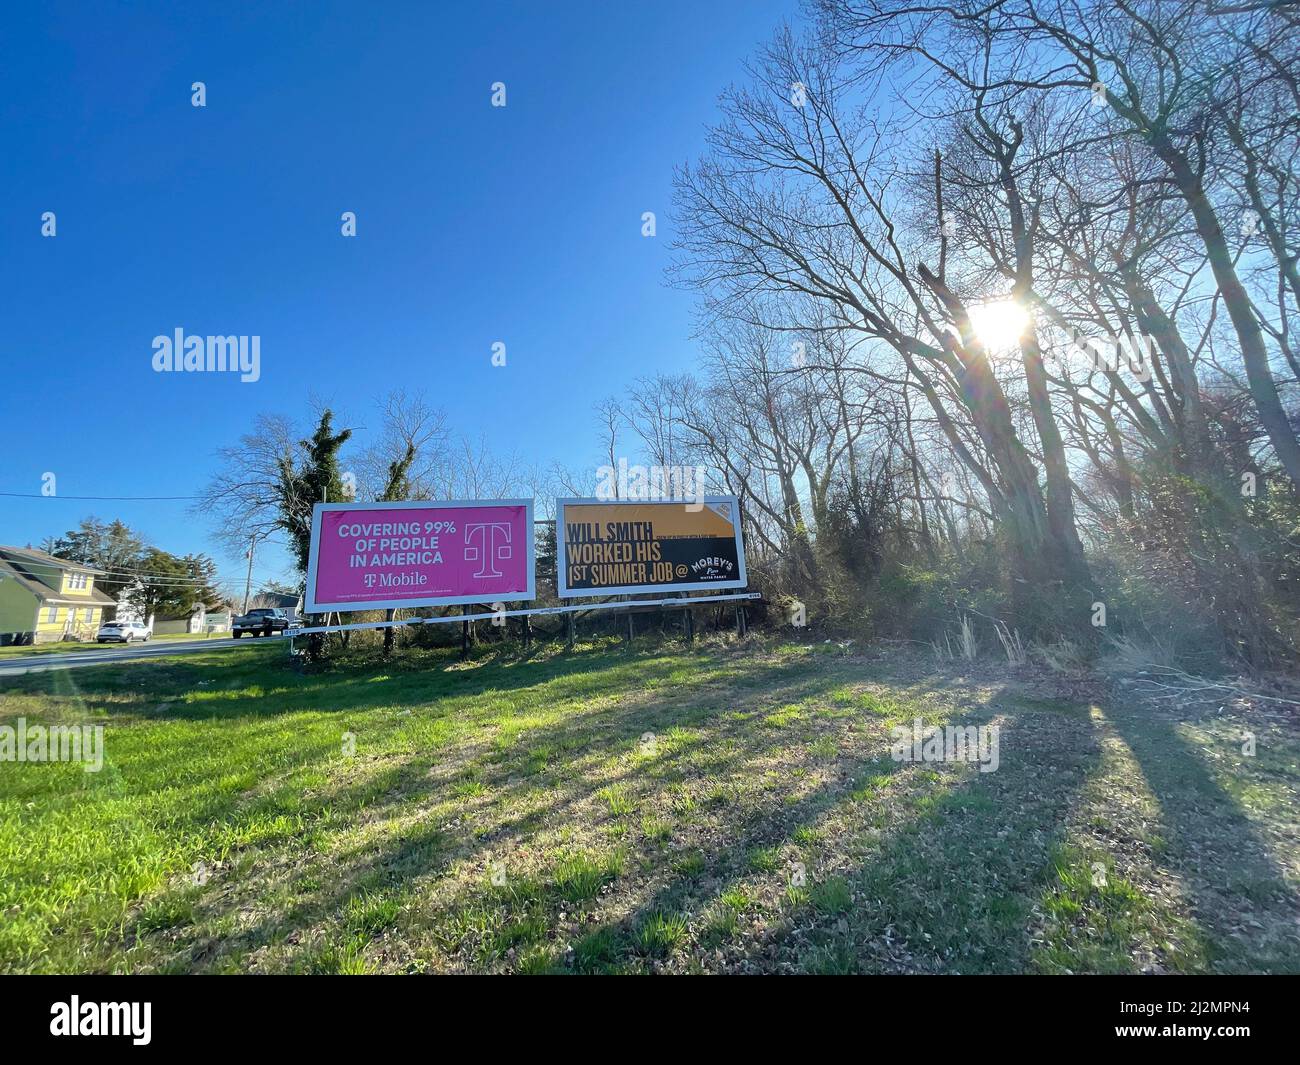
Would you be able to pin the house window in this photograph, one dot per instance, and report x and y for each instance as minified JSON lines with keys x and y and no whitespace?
{"x":51,"y":614}
{"x":88,"y":615}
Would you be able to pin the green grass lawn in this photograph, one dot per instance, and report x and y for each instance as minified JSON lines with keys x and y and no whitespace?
{"x":722,"y":810}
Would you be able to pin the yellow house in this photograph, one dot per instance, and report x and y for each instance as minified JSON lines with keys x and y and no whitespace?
{"x":43,"y":598}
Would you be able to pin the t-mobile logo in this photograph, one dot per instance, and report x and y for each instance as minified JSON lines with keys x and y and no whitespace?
{"x":487,"y":543}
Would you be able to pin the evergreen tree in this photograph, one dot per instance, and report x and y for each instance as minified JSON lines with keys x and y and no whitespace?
{"x":316,"y":479}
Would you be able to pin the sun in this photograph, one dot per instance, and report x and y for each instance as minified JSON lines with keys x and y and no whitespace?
{"x":999,"y":324}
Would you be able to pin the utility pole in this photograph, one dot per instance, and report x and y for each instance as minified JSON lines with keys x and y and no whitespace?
{"x":248,"y":581}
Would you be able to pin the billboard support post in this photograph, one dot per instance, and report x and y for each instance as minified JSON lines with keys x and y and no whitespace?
{"x":569,"y":636}
{"x":707,"y":602}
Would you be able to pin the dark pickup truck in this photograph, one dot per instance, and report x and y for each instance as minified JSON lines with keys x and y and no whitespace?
{"x":262,"y":622}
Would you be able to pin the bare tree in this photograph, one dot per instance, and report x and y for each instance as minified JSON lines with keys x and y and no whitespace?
{"x":801,"y":199}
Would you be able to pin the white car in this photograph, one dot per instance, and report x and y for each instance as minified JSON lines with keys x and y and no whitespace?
{"x":122,"y":632}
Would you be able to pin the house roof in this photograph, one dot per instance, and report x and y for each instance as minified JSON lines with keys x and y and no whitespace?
{"x":8,"y":572}
{"x":11,"y":569}
{"x":278,"y":599}
{"x":40,"y":558}
{"x":95,"y":598}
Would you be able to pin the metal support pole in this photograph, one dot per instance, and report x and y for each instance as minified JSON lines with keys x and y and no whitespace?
{"x":528,"y":632}
{"x":248,"y":581}
{"x":570,"y":637}
{"x":464,"y":640}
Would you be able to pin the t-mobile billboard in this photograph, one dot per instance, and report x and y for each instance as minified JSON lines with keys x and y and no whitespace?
{"x":369,"y":556}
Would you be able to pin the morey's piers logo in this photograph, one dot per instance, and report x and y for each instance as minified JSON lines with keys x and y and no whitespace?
{"x":713,"y":568}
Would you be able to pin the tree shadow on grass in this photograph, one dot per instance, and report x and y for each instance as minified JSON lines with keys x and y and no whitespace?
{"x":948,"y":884}
{"x":405,"y":790}
{"x":943,"y":865}
{"x":1238,"y":889}
{"x":194,"y":796}
{"x":951,"y":862}
{"x":263,"y":686}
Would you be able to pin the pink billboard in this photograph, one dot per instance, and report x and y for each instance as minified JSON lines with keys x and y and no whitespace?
{"x":368,"y":556}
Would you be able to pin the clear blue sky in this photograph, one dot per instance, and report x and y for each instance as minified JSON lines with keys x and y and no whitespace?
{"x":475,"y":224}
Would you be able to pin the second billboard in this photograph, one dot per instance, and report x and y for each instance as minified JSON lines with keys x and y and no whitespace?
{"x":615,"y":547}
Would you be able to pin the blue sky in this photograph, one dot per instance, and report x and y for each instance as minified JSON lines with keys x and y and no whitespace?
{"x":474,"y":224}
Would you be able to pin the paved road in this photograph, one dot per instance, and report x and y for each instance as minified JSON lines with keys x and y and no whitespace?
{"x":109,"y":653}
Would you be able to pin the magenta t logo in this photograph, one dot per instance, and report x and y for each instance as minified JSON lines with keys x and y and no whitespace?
{"x":487,"y":542}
